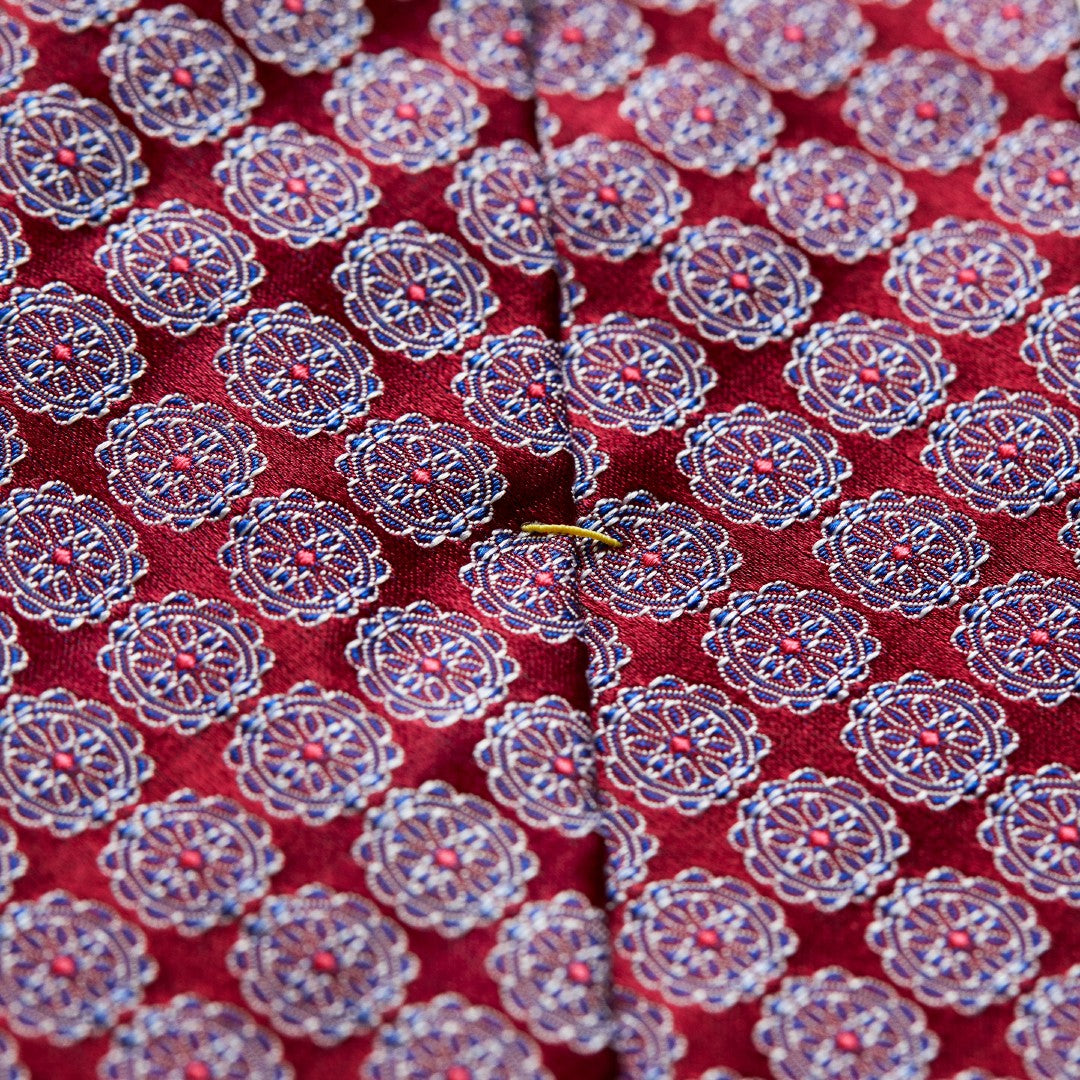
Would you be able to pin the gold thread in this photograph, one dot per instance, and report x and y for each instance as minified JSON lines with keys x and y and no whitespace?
{"x":572,"y":530}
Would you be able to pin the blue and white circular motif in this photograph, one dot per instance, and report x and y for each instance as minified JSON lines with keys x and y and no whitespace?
{"x":301,"y":35}
{"x":679,"y":746}
{"x":540,"y":761}
{"x":444,"y":860}
{"x":761,"y":467}
{"x":179,"y":267}
{"x":1005,"y":453}
{"x":191,"y":1035}
{"x":179,"y":463}
{"x":1069,"y":536}
{"x":905,"y":553}
{"x":69,"y":968}
{"x":500,"y":197}
{"x":1047,"y":1027}
{"x":997,"y":35}
{"x":180,"y":77}
{"x":512,"y":386}
{"x":10,"y":1066}
{"x":446,"y":1034}
{"x":295,"y":187}
{"x":552,"y":964}
{"x":297,"y":557}
{"x":702,"y":115}
{"x":66,"y":764}
{"x":833,"y":200}
{"x":1024,"y":637}
{"x":820,"y":840}
{"x":13,"y":864}
{"x":579,"y":47}
{"x":64,"y":557}
{"x":65,"y":354}
{"x":312,"y":754}
{"x":929,"y":741}
{"x":589,"y":461}
{"x":737,"y":283}
{"x":399,"y":109}
{"x":792,"y":648}
{"x":17,"y":55}
{"x":74,"y":16}
{"x":297,"y":371}
{"x":640,"y":375}
{"x":183,"y":662}
{"x":705,"y":941}
{"x":967,"y":277}
{"x":670,"y":562}
{"x":189,"y":863}
{"x":955,"y":941}
{"x":423,"y":479}
{"x":422,"y":663}
{"x":13,"y":656}
{"x":14,"y":250}
{"x":1052,"y":345}
{"x":868,"y":375}
{"x":924,"y":110}
{"x":628,"y":847}
{"x":839,"y":1026}
{"x":644,"y":1040}
{"x":321,"y":965}
{"x":415,"y":292}
{"x":66,"y":158}
{"x":612,"y":199}
{"x":805,"y":46}
{"x":1032,"y":829}
{"x":12,"y":446}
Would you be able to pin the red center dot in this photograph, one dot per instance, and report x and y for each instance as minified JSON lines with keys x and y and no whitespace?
{"x":66,"y":157}
{"x":703,"y":114}
{"x":707,"y":938}
{"x":631,"y":374}
{"x":179,"y":264}
{"x":406,"y":111}
{"x":513,"y":36}
{"x":300,"y":372}
{"x":196,"y":1070}
{"x":651,"y":558}
{"x":739,"y":280}
{"x":1007,"y":451}
{"x":870,"y":376}
{"x":416,"y":293}
{"x":184,"y":661}
{"x":565,"y":766}
{"x":431,"y":664}
{"x":458,"y":1072}
{"x":526,"y":206}
{"x":1039,"y":636}
{"x":926,"y":110}
{"x":63,"y":761}
{"x":181,"y":462}
{"x":901,"y":552}
{"x":325,"y":962}
{"x":790,"y":645}
{"x":543,"y":578}
{"x":929,"y":738}
{"x":835,"y":201}
{"x":847,"y":1041}
{"x":61,"y":352}
{"x":958,"y":939}
{"x":794,"y":33}
{"x":61,"y":556}
{"x":680,"y":744}
{"x":573,"y":35}
{"x":296,"y":185}
{"x":183,"y":77}
{"x":191,"y":859}
{"x":1068,"y":834}
{"x":579,"y":972}
{"x":295,"y":6}
{"x":1011,"y":11}
{"x":63,"y":965}
{"x":305,"y":557}
{"x":967,"y":275}
{"x":536,"y":390}
{"x":1058,"y":177}
{"x":607,"y":194}
{"x":313,"y":751}
{"x":763,"y":466}
{"x":820,"y":838}
{"x":421,"y":476}
{"x":447,"y":858}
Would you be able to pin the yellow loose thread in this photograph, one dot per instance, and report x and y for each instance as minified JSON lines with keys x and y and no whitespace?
{"x":572,"y":530}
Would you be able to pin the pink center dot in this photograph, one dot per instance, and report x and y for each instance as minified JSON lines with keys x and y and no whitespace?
{"x":526,"y":206}
{"x":565,"y":766}
{"x":573,"y":35}
{"x":295,"y":6}
{"x":325,"y":962}
{"x":536,"y":391}
{"x":794,"y":33}
{"x":1011,"y":11}
{"x":179,"y":264}
{"x":1007,"y":451}
{"x":958,"y":939}
{"x":300,"y":372}
{"x":1058,"y":177}
{"x":305,"y":557}
{"x":313,"y":751}
{"x":421,"y":476}
{"x":607,"y":194}
{"x":66,"y":157}
{"x":447,"y":858}
{"x":1068,"y":834}
{"x":926,"y":110}
{"x":543,"y":578}
{"x":967,"y":275}
{"x":406,"y":111}
{"x":63,"y":965}
{"x":835,"y":201}
{"x":181,"y":462}
{"x":184,"y":661}
{"x":651,"y":558}
{"x":790,"y":645}
{"x":579,"y":972}
{"x":820,"y":838}
{"x":183,"y":77}
{"x":196,"y":1070}
{"x":763,"y":466}
{"x":416,"y":293}
{"x":191,"y":859}
{"x":847,"y":1041}
{"x":901,"y":552}
{"x":61,"y":352}
{"x":296,"y":185}
{"x":739,"y":280}
{"x":929,"y":738}
{"x":61,"y":556}
{"x":458,"y":1072}
{"x":870,"y":376}
{"x":703,"y":114}
{"x":1039,"y":636}
{"x":631,"y":374}
{"x":680,"y":744}
{"x":63,"y":761}
{"x":513,"y":36}
{"x":706,"y":938}
{"x":431,"y":664}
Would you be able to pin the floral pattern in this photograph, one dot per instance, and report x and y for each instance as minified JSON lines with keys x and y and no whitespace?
{"x":1052,"y":345}
{"x":17,"y":55}
{"x":14,"y":250}
{"x":1046,"y":1028}
{"x":13,"y":863}
{"x":13,"y":657}
{"x":74,"y":16}
{"x":1019,"y":36}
